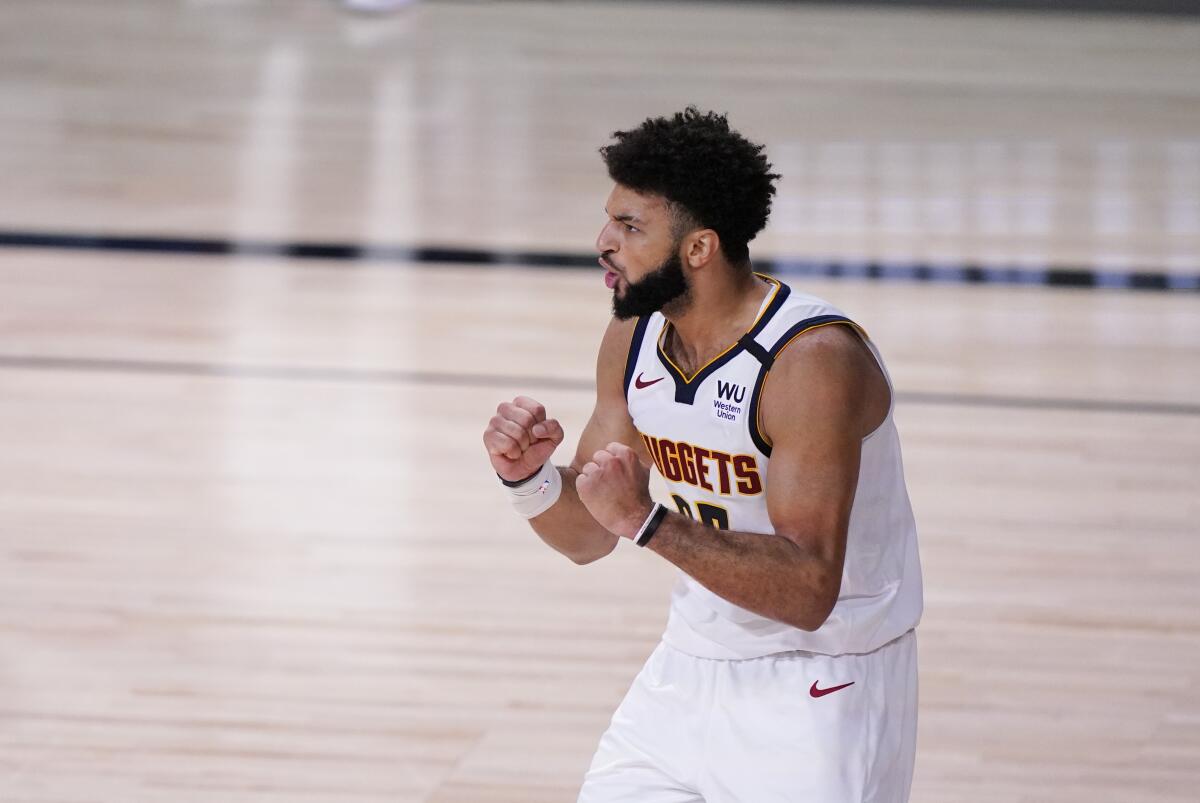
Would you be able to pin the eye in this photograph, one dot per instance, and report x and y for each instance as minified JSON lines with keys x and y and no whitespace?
{"x":630,"y":228}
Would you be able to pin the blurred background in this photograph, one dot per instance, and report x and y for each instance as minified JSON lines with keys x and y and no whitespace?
{"x":266,"y":268}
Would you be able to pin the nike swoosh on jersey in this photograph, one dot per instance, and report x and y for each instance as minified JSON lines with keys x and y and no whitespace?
{"x":815,"y":692}
{"x":640,"y":384}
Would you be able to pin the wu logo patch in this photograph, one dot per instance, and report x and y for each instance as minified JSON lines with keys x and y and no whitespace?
{"x":730,"y":392}
{"x":729,"y":399}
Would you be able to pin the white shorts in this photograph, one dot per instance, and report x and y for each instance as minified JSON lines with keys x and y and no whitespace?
{"x":780,"y":728}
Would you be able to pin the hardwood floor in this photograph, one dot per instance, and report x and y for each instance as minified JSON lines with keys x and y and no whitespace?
{"x":251,"y":547}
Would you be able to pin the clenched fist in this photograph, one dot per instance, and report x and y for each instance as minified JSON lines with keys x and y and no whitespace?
{"x":614,"y":487}
{"x":519,"y":438}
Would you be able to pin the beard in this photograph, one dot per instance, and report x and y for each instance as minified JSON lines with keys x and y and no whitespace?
{"x":665,"y":285}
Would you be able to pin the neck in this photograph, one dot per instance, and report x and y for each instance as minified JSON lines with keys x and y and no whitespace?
{"x":722,"y":306}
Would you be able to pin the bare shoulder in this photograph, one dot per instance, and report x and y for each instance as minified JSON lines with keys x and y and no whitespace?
{"x":614,"y":351}
{"x":610,"y":419}
{"x":619,"y":333}
{"x":829,"y":373}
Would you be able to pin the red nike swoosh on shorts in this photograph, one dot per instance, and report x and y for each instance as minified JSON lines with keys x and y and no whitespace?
{"x":640,"y":384}
{"x":815,"y":692}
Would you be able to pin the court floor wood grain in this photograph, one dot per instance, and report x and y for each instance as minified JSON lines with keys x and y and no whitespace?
{"x":251,"y":547}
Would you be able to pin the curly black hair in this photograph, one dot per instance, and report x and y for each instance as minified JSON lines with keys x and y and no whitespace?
{"x":714,"y":175}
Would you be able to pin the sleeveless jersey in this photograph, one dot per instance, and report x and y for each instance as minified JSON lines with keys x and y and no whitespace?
{"x":703,"y":434}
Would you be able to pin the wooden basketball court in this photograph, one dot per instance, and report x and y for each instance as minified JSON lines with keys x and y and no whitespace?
{"x":252,"y":548}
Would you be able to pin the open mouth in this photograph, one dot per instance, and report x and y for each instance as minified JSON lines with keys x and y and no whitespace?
{"x":610,"y":280}
{"x":610,"y":274}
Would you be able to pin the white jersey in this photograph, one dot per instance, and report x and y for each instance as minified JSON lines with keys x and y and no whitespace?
{"x":703,"y":434}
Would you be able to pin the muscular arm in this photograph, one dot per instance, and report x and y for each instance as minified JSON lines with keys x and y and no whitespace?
{"x":824,"y":394}
{"x":567,"y":526}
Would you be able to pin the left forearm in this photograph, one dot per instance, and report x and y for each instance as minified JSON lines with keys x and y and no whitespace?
{"x":767,"y":574}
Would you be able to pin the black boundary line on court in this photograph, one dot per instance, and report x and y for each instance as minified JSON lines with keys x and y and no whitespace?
{"x":1062,"y":276}
{"x":398,"y":377}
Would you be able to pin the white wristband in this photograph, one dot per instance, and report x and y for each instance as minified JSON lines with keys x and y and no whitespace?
{"x":535,"y":496}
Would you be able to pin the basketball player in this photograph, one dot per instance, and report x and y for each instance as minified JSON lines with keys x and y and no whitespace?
{"x":788,"y":669}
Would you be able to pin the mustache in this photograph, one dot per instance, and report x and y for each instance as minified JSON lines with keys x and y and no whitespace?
{"x":608,"y":263}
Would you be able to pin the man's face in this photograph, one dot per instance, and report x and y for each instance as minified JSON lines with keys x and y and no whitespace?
{"x":640,"y":253}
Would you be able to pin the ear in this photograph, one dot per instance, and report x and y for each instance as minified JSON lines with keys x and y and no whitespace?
{"x":700,"y":247}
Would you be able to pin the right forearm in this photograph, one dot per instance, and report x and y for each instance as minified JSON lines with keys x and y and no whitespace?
{"x":569,"y":528}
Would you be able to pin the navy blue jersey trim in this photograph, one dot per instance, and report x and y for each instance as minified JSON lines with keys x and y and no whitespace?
{"x":752,"y":412}
{"x":787,"y":337}
{"x":635,"y":349}
{"x":781,"y":295}
{"x":807,"y":323}
{"x":685,"y":391}
{"x":754,"y":347}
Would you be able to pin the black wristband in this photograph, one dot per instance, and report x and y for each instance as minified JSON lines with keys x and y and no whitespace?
{"x":516,"y":483}
{"x":657,"y":514}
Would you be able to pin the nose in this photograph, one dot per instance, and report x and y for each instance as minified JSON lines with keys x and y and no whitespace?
{"x":605,"y":242}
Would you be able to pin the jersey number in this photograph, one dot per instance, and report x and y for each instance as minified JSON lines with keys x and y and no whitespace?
{"x":711,"y":515}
